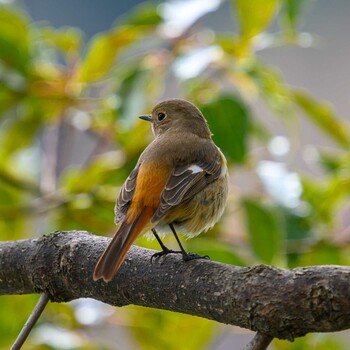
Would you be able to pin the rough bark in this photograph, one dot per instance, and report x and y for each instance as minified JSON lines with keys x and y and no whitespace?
{"x":273,"y":301}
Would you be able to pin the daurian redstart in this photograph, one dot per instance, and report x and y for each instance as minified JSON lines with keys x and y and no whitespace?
{"x":180,"y":182}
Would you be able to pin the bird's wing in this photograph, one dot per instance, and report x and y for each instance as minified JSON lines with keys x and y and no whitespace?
{"x":185,"y":182}
{"x":125,"y":196}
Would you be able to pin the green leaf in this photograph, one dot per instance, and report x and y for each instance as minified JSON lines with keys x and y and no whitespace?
{"x":106,"y":47}
{"x":14,"y":39}
{"x":104,"y":50}
{"x":272,"y":87}
{"x":331,"y":162}
{"x":293,"y":11}
{"x":296,"y":227}
{"x":322,"y":114}
{"x":264,"y":230}
{"x":315,"y":194}
{"x":66,"y":39}
{"x":229,"y":121}
{"x":337,"y":190}
{"x":144,"y":14}
{"x":326,"y":197}
{"x":299,"y":233}
{"x":255,"y":16}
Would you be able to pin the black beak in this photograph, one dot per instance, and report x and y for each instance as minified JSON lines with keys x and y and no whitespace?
{"x":146,"y":117}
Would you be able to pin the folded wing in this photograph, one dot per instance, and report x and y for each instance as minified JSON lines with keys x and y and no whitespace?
{"x":125,"y":196}
{"x":185,"y":182}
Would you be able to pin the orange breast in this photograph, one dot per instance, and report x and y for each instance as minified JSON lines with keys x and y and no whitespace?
{"x":150,"y":182}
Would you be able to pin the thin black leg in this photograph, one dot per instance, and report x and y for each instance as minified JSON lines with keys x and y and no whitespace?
{"x":165,"y":250}
{"x":186,"y":256}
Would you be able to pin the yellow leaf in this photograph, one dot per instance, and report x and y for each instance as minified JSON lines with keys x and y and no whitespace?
{"x":104,"y":50}
{"x":255,"y":15}
{"x":323,"y":115}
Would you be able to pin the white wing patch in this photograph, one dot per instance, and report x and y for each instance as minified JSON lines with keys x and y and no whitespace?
{"x":195,"y":169}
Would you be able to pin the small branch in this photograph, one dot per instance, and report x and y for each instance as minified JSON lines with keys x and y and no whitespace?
{"x":33,"y":318}
{"x":276,"y":302}
{"x":259,"y":342}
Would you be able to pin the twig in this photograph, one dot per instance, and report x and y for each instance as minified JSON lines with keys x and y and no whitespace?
{"x":259,"y":342}
{"x":34,"y":316}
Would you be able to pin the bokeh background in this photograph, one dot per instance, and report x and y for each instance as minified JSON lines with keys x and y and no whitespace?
{"x":271,"y":77}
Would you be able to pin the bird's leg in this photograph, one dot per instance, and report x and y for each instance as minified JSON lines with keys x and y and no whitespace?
{"x":165,"y":250}
{"x":186,"y":256}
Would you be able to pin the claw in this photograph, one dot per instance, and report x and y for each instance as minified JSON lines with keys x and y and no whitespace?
{"x":164,"y":252}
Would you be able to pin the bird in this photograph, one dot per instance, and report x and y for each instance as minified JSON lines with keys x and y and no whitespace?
{"x":179,"y":184}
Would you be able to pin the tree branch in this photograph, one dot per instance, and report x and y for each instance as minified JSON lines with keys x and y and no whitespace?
{"x":273,"y":301}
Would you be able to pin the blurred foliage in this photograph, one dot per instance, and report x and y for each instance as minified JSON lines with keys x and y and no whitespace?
{"x":319,"y":342}
{"x":69,"y":136}
{"x":174,"y":331}
{"x":262,"y":222}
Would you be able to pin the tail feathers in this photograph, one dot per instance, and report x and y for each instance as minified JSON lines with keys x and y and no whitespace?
{"x":114,"y":255}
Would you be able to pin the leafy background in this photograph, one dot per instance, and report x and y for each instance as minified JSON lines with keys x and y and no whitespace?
{"x":69,"y":136}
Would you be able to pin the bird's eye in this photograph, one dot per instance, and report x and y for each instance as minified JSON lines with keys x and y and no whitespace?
{"x":161,"y":116}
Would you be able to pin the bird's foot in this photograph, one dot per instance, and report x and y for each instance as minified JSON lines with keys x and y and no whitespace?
{"x":164,"y":252}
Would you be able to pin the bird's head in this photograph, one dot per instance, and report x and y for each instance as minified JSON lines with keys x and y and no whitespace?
{"x":177,"y":115}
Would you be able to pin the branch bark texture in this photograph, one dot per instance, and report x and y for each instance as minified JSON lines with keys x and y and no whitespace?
{"x":273,"y":301}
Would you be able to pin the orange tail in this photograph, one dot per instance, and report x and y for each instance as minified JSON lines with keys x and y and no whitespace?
{"x":111,"y":259}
